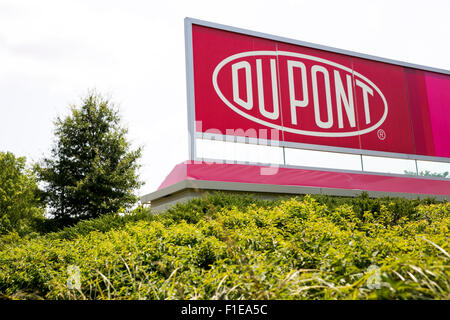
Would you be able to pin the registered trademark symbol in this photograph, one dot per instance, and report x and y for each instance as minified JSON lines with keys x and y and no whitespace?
{"x":381,"y":134}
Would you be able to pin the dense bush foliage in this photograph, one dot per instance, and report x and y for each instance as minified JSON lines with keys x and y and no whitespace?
{"x":229,"y":247}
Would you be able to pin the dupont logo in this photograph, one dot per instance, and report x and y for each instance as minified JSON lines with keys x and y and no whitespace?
{"x":300,"y":94}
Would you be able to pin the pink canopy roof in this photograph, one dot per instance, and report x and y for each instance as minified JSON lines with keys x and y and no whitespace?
{"x":240,"y":173}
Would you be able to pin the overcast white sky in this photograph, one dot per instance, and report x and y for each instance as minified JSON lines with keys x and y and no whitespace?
{"x":53,"y":51}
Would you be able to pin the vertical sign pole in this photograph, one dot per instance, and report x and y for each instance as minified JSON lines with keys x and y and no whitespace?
{"x":190,"y":88}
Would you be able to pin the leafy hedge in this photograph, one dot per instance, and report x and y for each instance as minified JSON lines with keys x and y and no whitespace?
{"x":231,"y":247}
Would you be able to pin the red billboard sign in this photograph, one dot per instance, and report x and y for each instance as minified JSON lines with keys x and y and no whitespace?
{"x":274,"y":89}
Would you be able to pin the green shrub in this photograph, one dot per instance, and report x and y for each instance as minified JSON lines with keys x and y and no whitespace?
{"x":103,"y":224}
{"x":230,"y":247}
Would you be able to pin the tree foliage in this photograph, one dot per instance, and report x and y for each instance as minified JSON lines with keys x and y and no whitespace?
{"x":92,"y":170}
{"x":20,"y":206}
{"x":428,"y":173}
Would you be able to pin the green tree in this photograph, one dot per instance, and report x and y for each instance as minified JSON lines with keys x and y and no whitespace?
{"x":427,"y":173}
{"x":92,"y":170}
{"x":20,"y":206}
